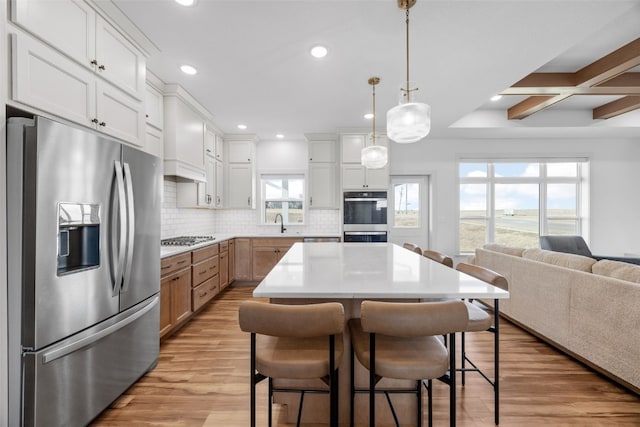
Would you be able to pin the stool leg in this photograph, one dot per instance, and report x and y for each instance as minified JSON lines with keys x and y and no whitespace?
{"x":372,"y":380}
{"x":353,"y":389}
{"x":464,"y":357}
{"x":430,"y":401}
{"x":452,"y":380}
{"x":419,"y":391}
{"x":253,"y":380}
{"x":496,"y":356}
{"x":270,"y":401}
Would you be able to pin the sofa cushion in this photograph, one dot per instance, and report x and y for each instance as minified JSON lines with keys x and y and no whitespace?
{"x":574,"y":262}
{"x":509,"y":250}
{"x":617,"y":270}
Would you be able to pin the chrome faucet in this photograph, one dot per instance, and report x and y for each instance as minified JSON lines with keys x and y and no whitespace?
{"x":281,"y":222}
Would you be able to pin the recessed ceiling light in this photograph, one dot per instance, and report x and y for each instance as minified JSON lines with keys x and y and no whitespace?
{"x":495,"y":98}
{"x":279,"y":136}
{"x":188,"y":69}
{"x":242,"y":127}
{"x":186,"y":2}
{"x":319,"y":51}
{"x":368,"y":116}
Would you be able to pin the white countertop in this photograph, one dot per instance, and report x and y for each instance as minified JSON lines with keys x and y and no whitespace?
{"x":167,"y":251}
{"x":367,"y":270}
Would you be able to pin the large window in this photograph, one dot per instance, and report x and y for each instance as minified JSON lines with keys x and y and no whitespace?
{"x":514,"y":202}
{"x":283,"y":195}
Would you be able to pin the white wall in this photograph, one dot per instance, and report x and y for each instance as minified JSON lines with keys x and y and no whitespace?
{"x":614,"y":169}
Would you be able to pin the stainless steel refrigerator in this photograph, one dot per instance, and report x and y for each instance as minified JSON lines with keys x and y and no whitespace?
{"x":83,"y":221}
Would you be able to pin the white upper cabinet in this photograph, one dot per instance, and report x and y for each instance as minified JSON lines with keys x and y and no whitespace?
{"x":354,"y":175}
{"x":67,"y":25}
{"x":118,"y":60}
{"x":75,"y":29}
{"x":51,"y":82}
{"x":323,"y":172}
{"x":209,"y":143}
{"x":240,"y":151}
{"x":322,"y":151}
{"x":154,"y":107}
{"x":219,"y":148}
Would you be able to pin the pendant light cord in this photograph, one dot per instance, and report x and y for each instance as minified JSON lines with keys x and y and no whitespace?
{"x":373,"y":134}
{"x":407,"y":22}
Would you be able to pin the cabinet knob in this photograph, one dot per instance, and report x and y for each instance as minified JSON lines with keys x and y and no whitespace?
{"x":103,"y":124}
{"x":310,"y":201}
{"x":101,"y":67}
{"x":94,"y":120}
{"x":249,"y":200}
{"x":94,"y":62}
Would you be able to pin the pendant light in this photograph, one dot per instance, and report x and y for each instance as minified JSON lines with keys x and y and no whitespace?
{"x":408,"y":121}
{"x":374,"y":156}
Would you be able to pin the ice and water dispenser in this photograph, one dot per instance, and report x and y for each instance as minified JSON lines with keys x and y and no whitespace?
{"x":78,"y":237}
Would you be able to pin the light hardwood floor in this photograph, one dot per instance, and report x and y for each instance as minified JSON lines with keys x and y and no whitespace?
{"x":202,"y":380}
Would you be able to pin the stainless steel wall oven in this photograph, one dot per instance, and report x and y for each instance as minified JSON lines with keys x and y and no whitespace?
{"x":365,"y":216}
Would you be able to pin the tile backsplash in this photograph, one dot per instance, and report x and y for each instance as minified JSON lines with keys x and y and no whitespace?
{"x":179,"y":221}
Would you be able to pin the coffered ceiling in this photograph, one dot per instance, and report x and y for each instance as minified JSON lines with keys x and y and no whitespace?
{"x":542,"y":55}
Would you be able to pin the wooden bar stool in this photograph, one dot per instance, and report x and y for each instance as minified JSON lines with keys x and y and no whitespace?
{"x":481,"y":320}
{"x":400,"y":340}
{"x":294,"y":342}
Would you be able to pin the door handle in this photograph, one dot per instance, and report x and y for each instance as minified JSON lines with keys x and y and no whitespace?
{"x":122,"y":224}
{"x":131,"y":227}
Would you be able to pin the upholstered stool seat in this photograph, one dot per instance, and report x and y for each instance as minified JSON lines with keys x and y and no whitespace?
{"x":295,"y":358}
{"x":401,"y":357}
{"x":479,"y":320}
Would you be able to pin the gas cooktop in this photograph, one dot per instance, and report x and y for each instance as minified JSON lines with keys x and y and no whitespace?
{"x":185,"y":240}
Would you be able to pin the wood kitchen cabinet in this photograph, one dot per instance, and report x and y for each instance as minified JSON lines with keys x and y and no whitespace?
{"x":224,"y":265}
{"x":243,"y":257}
{"x":175,"y":292}
{"x":205,"y":277}
{"x":232,"y":261}
{"x":267,"y":252}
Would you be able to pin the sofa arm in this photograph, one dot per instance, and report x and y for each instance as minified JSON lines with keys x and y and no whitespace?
{"x":629,"y":260}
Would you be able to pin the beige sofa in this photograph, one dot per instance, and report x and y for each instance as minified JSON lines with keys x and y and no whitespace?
{"x":589,"y":309}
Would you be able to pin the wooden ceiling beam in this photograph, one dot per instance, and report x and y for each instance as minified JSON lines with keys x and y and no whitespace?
{"x":532,"y":105}
{"x":606,"y":76}
{"x":609,"y":66}
{"x":617,"y":107}
{"x":557,"y":83}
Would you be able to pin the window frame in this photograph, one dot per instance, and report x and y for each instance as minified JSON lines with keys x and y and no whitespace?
{"x":542,"y":180}
{"x":264,"y":177}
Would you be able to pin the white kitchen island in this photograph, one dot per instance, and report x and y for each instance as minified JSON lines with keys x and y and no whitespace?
{"x":350,"y":273}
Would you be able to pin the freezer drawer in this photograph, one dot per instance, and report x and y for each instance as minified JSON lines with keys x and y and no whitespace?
{"x":69,"y":383}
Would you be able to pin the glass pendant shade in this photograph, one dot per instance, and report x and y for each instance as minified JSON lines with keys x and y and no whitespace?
{"x":374,"y":157}
{"x":408,"y":122}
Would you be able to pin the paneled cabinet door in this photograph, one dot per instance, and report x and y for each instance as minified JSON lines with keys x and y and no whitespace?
{"x":322,"y":151}
{"x":219,"y":190}
{"x":232,"y":261}
{"x":119,"y":115}
{"x":322,"y":186}
{"x":352,"y":146}
{"x":264,"y":259}
{"x":68,"y":25}
{"x":239,"y":186}
{"x":154,"y":107}
{"x":49,"y":81}
{"x":119,"y":61}
{"x":224,"y":269}
{"x":356,"y":177}
{"x":240,"y":151}
{"x":242,"y":256}
{"x":210,"y":185}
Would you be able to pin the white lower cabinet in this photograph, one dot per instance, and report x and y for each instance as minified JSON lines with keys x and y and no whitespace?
{"x":44,"y":79}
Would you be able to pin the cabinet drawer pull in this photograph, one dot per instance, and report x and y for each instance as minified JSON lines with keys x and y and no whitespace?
{"x":182,"y":262}
{"x":202,"y":272}
{"x":203,"y":295}
{"x":166,"y":267}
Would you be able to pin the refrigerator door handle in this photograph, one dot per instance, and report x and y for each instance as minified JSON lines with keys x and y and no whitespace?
{"x":131,"y":226}
{"x":119,"y":265}
{"x":63,"y":351}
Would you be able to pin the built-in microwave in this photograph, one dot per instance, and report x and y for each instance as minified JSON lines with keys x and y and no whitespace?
{"x":365,"y":211}
{"x":365,"y":236}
